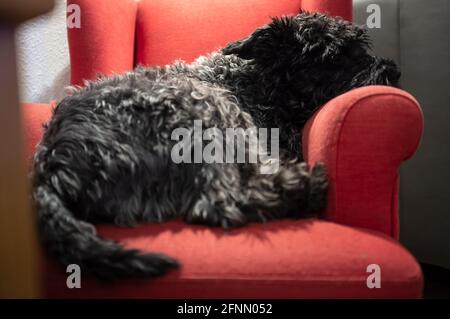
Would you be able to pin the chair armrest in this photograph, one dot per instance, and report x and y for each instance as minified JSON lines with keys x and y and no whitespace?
{"x":362,"y":137}
{"x":33,"y":118}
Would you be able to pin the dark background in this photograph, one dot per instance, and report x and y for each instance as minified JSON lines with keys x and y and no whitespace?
{"x":415,"y":33}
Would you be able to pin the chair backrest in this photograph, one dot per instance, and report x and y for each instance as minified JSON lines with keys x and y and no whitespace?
{"x":116,"y":35}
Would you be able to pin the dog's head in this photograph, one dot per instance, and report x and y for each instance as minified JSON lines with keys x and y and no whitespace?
{"x":317,"y":51}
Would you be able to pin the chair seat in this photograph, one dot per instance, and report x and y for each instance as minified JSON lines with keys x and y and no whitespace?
{"x":282,"y":259}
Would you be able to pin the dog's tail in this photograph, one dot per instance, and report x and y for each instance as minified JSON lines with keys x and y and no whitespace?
{"x":73,"y":241}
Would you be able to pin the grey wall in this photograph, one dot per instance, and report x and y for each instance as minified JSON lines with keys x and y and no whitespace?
{"x":416,"y":34}
{"x":385,"y":39}
{"x":425,"y":57}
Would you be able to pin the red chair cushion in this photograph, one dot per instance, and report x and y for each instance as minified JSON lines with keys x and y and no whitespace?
{"x":340,"y":8}
{"x":115,"y":35}
{"x":179,"y":29}
{"x":281,"y":259}
{"x":104,"y":43}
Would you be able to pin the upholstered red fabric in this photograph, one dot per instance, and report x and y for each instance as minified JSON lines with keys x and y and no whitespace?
{"x":104,"y":43}
{"x":33,"y":117}
{"x":363,"y":136}
{"x":116,"y":35}
{"x":341,"y":8}
{"x":281,"y":259}
{"x":179,"y":29}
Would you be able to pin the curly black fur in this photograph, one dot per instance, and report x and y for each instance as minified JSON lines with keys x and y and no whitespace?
{"x":105,"y":154}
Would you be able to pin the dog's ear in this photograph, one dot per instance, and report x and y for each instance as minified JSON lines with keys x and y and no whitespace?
{"x":242,"y":48}
{"x":267,"y":44}
{"x":246,"y":48}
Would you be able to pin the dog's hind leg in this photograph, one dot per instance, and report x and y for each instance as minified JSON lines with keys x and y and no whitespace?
{"x":218,"y":201}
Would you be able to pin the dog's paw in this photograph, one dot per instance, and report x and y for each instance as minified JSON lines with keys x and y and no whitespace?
{"x":293,"y":184}
{"x":215,"y":214}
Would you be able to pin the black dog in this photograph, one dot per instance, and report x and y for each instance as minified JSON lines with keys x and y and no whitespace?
{"x":106,"y":153}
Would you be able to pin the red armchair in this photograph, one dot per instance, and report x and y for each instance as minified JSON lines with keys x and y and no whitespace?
{"x":363,"y":136}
